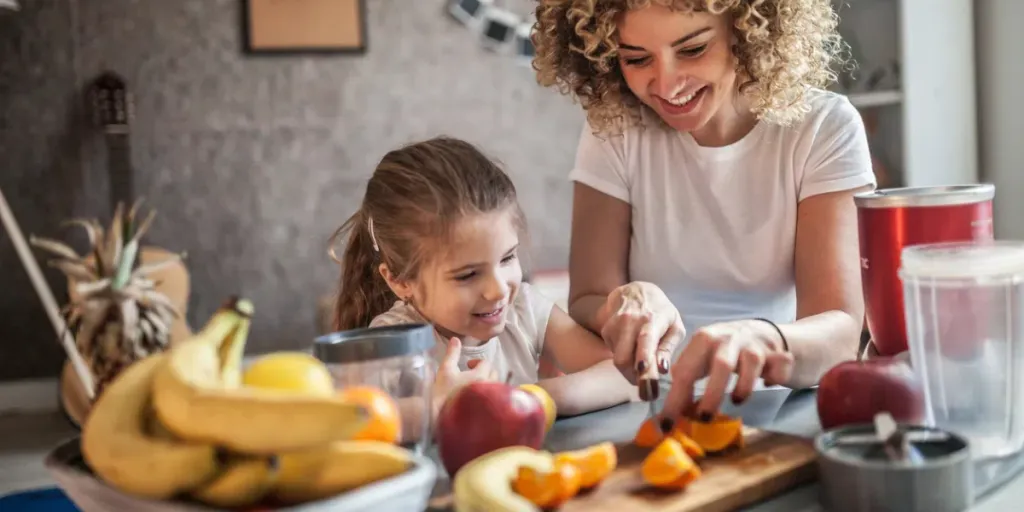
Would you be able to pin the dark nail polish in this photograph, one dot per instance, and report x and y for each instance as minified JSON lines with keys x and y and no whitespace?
{"x":641,"y":366}
{"x":666,"y":425}
{"x":662,"y":365}
{"x":706,"y":417}
{"x":735,"y":400}
{"x":648,"y":389}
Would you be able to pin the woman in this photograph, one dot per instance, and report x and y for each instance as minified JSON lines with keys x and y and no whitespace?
{"x":712,"y":208}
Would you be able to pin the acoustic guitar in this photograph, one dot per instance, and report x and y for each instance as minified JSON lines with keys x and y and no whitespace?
{"x":113,"y":111}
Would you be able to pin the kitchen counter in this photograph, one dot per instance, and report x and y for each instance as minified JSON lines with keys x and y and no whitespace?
{"x":25,"y":440}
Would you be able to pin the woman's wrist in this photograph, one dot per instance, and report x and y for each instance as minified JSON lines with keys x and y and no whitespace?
{"x":773,"y":335}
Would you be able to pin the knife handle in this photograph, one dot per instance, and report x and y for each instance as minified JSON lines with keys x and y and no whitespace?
{"x":648,"y":388}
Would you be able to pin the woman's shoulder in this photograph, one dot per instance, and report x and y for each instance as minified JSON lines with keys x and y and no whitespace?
{"x":828,"y":109}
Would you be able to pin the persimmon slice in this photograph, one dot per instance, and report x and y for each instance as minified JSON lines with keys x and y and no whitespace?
{"x":594,"y":462}
{"x":668,"y":466}
{"x":548,"y":490}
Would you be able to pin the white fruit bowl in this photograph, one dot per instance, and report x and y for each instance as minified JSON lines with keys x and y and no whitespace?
{"x":409,"y":491}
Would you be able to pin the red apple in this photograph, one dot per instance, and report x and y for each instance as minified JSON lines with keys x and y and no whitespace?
{"x":481,"y":417}
{"x":852,"y":392}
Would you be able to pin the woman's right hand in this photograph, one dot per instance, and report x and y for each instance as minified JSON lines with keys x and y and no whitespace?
{"x":642,"y":328}
{"x":449,"y":377}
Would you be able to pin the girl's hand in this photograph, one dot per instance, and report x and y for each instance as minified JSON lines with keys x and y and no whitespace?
{"x":642,"y":328}
{"x":750,"y":348}
{"x":450,"y":378}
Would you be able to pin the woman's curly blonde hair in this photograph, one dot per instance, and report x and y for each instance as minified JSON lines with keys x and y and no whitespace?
{"x":783,"y":47}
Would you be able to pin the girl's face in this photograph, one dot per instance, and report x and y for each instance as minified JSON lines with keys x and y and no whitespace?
{"x":679,"y":64}
{"x":468,"y":289}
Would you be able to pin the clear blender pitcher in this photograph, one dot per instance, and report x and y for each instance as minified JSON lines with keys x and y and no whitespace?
{"x":396,"y":359}
{"x":964,"y":306}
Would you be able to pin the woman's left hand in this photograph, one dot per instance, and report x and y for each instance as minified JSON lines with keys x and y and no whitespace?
{"x":749,"y":348}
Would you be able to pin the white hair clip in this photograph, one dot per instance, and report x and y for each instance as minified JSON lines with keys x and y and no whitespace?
{"x":373,"y":238}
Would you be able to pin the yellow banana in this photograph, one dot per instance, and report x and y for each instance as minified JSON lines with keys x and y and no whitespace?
{"x":118,"y":448}
{"x":197,"y":399}
{"x":321,"y":472}
{"x":242,"y":483}
{"x":485,"y":483}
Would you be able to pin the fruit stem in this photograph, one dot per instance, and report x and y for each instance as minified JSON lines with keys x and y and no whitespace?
{"x":508,"y":378}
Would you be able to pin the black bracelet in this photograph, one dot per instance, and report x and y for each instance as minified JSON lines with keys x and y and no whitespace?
{"x":785,"y":344}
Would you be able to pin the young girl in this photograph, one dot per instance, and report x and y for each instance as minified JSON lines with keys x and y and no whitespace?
{"x":437,"y":240}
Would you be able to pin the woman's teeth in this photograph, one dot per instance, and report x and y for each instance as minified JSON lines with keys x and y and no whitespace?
{"x":684,"y":99}
{"x":491,"y":314}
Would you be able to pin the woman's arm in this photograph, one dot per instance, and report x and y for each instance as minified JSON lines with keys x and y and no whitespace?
{"x":830,"y":303}
{"x":598,"y":253}
{"x":592,"y":382}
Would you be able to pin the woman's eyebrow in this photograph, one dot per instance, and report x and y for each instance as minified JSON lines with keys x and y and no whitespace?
{"x":677,"y":42}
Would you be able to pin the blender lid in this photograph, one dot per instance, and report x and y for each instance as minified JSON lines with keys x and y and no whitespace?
{"x":370,"y":343}
{"x":950,"y":195}
{"x":963,"y":259}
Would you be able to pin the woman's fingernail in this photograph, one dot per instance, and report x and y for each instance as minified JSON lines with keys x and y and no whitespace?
{"x":641,"y":366}
{"x":706,"y":417}
{"x":666,"y":425}
{"x":736,"y":400}
{"x":662,"y":365}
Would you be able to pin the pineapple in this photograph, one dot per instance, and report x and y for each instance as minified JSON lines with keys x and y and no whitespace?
{"x":116,"y":313}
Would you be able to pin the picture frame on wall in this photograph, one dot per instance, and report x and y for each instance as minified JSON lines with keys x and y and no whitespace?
{"x":304,"y":26}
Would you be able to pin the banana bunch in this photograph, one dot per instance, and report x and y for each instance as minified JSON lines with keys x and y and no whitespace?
{"x":180,"y":423}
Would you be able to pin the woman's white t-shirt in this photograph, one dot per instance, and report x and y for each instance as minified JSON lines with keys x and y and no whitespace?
{"x":517,"y":349}
{"x":715,"y":227}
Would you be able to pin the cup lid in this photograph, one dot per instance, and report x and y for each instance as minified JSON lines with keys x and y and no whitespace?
{"x":963,"y":259}
{"x":949,"y":195}
{"x":365,"y":344}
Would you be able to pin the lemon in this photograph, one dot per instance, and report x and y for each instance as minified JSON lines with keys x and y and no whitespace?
{"x":550,"y":412}
{"x":290,"y":371}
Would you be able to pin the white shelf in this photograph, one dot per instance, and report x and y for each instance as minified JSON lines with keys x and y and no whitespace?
{"x":875,"y":98}
{"x":922,"y":124}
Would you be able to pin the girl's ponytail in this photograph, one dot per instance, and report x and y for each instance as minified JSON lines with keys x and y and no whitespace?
{"x":362,"y":292}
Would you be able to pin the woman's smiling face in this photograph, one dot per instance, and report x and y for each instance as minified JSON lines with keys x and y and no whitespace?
{"x":679,"y":64}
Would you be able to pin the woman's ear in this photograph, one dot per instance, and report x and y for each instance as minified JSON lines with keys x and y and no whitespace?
{"x":399,"y":287}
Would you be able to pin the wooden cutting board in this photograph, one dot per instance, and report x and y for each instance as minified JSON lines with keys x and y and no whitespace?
{"x":769,"y":464}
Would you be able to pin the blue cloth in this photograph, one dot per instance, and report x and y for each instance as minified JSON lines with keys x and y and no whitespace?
{"x":49,"y":499}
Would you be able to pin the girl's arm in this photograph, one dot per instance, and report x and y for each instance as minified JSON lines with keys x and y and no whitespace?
{"x":593,"y":382}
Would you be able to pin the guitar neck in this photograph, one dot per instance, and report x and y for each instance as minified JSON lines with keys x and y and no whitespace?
{"x":120,"y":172}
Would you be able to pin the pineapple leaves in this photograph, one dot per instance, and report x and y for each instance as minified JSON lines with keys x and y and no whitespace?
{"x":124,"y":267}
{"x":54,"y":247}
{"x":74,"y":269}
{"x":114,"y":244}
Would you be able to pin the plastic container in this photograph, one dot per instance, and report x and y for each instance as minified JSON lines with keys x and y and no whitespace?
{"x":964,"y":305}
{"x":397,"y":359}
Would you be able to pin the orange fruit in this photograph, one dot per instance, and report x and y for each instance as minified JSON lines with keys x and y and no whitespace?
{"x":594,"y":462}
{"x":548,"y":490}
{"x":669,"y":467}
{"x":385,"y":421}
{"x":716,"y":435}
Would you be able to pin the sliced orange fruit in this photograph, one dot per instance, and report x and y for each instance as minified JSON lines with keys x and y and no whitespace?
{"x":594,"y":463}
